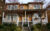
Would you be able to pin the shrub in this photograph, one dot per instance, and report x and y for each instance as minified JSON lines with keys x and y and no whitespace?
{"x":1,"y":26}
{"x":38,"y":25}
{"x":25,"y":25}
{"x":48,"y":25}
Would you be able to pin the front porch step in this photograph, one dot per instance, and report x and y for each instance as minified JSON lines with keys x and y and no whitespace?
{"x":26,"y":29}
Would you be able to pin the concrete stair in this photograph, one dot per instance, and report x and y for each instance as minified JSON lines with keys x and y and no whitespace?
{"x":26,"y":29}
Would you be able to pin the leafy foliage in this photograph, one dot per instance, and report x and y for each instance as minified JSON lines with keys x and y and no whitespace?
{"x":38,"y":25}
{"x":48,"y":25}
{"x":9,"y":27}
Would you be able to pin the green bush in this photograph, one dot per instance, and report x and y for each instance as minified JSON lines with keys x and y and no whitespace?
{"x":1,"y":26}
{"x":8,"y":27}
{"x":32,"y":28}
{"x":48,"y":25}
{"x":25,"y":25}
{"x":38,"y":25}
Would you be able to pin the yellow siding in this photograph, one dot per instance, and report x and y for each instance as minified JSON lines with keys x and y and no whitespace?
{"x":25,"y":7}
{"x":30,"y":6}
{"x":18,"y":7}
{"x":30,"y":19}
{"x":20,"y":19}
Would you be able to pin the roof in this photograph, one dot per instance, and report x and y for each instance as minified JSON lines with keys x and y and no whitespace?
{"x":35,"y":3}
{"x":23,"y":4}
{"x":48,"y":6}
{"x":12,"y":3}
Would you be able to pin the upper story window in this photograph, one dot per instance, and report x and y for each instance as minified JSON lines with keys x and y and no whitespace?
{"x":15,"y":7}
{"x":21,"y":7}
{"x":30,"y":5}
{"x":12,"y":7}
{"x":36,"y":6}
{"x":9,"y":7}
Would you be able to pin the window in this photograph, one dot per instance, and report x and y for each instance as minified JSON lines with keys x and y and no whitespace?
{"x":14,"y":17}
{"x":35,"y":15}
{"x":30,"y":5}
{"x":12,"y":7}
{"x":8,"y":17}
{"x":8,"y":7}
{"x":21,"y":7}
{"x":36,"y":6}
{"x":15,"y":7}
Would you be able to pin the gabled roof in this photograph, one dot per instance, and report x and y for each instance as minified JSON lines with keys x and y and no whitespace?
{"x":35,"y":3}
{"x":48,"y":6}
{"x":12,"y":3}
{"x":23,"y":4}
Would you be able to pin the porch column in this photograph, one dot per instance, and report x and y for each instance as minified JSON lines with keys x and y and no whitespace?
{"x":28,"y":21}
{"x":22,"y":21}
{"x":25,"y":16}
{"x":17,"y":20}
{"x":3,"y":18}
{"x":46,"y":16}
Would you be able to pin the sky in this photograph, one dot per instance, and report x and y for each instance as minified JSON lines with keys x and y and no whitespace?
{"x":21,"y":1}
{"x":46,"y":3}
{"x":26,"y":1}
